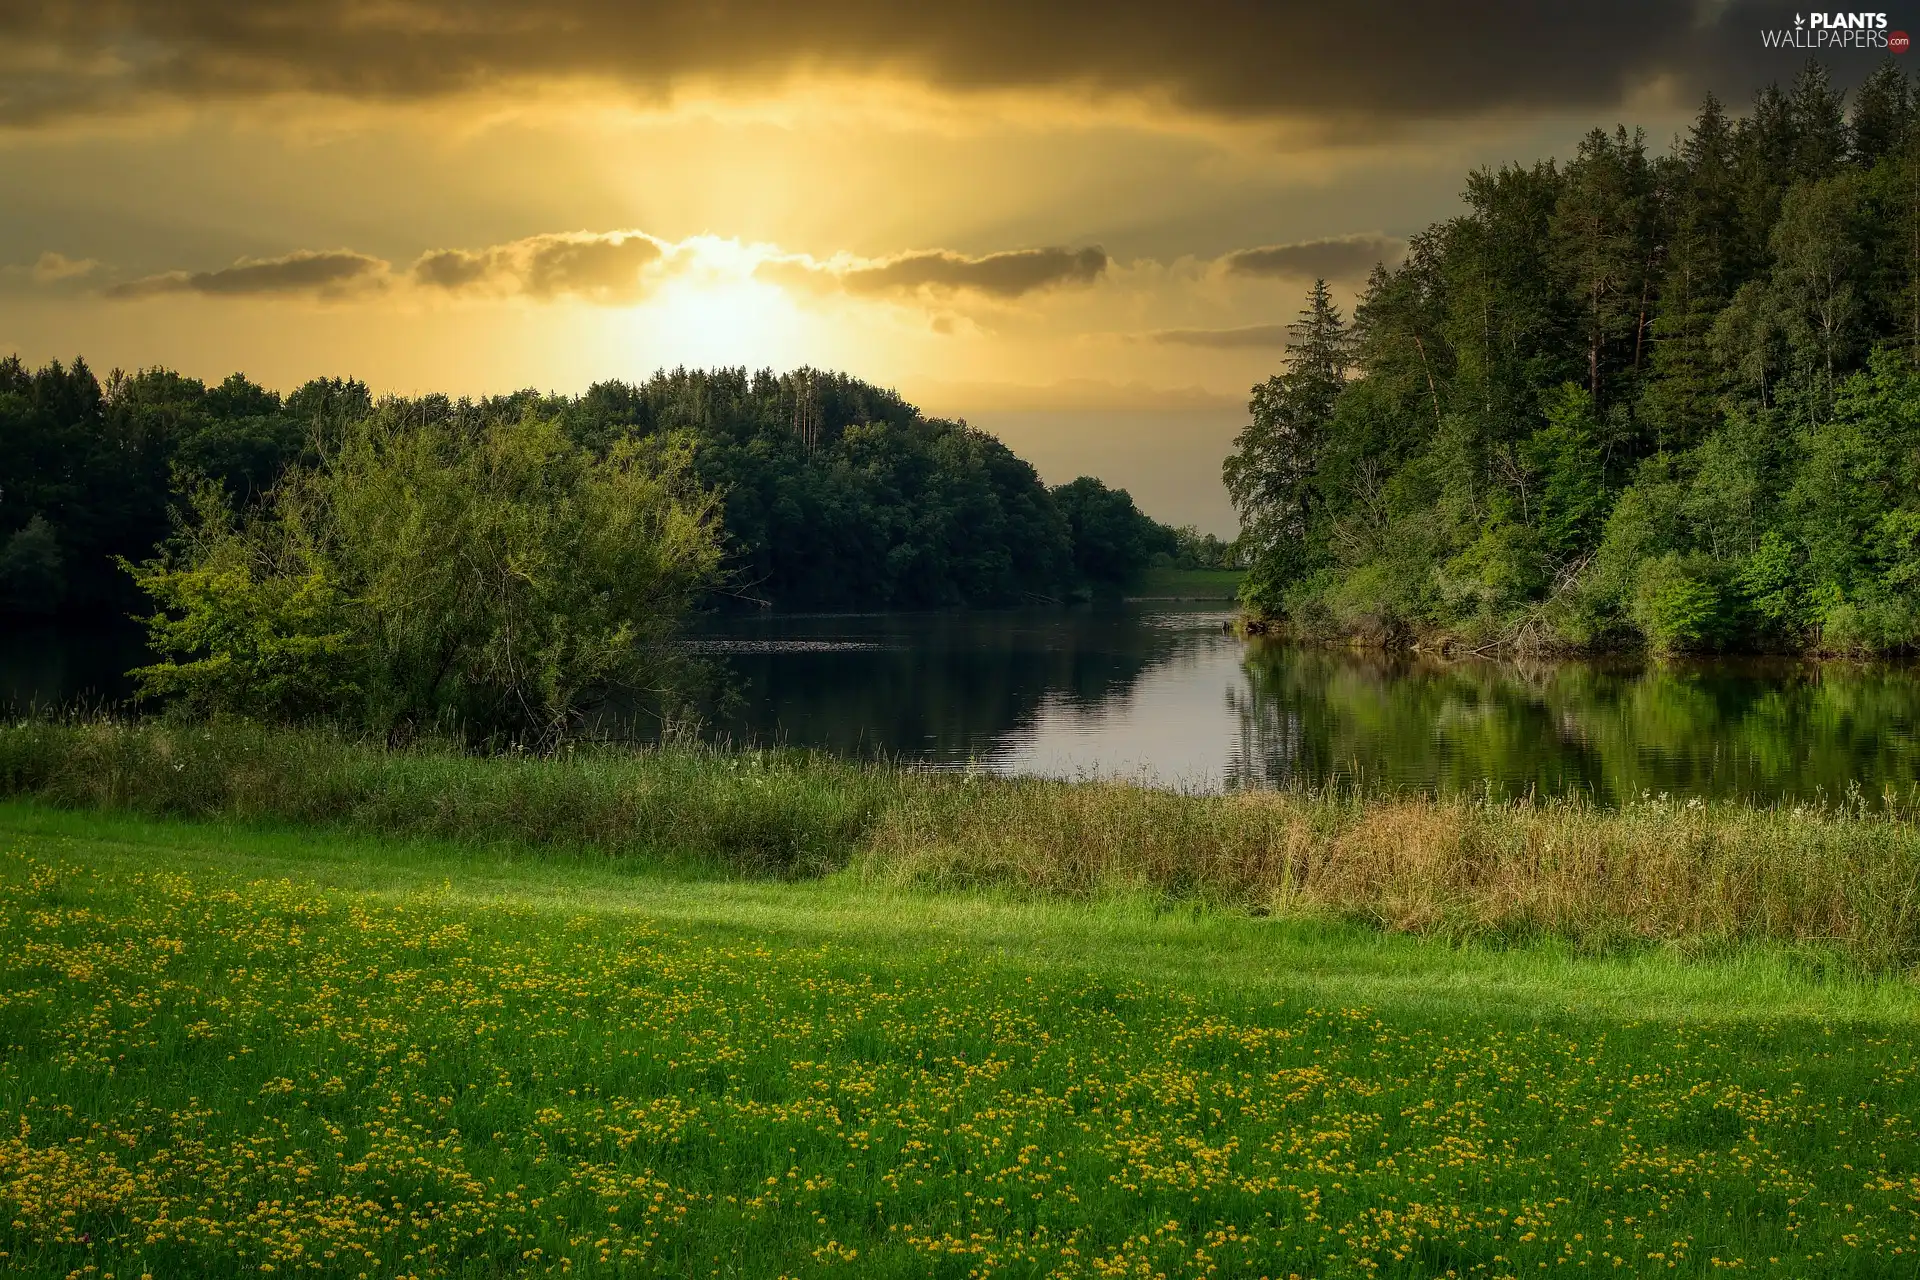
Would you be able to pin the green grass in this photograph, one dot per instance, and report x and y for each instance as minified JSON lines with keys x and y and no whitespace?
{"x":1842,"y":882}
{"x":244,"y":1048}
{"x":1187,"y":584}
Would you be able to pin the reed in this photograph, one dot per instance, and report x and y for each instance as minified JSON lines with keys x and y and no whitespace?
{"x":1837,"y":878}
{"x":1655,"y":870}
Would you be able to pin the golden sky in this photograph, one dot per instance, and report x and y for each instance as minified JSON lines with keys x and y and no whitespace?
{"x":1080,"y":226}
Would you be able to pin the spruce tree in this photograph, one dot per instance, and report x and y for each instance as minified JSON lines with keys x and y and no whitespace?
{"x":1270,"y":472}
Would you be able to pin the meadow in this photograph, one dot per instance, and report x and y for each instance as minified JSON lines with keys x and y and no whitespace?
{"x":277,"y":1002}
{"x":239,"y":1049}
{"x":1168,"y":583}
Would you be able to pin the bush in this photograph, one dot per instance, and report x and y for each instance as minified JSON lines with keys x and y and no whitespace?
{"x":1678,"y":606}
{"x":1872,"y":622}
{"x":495,"y":580}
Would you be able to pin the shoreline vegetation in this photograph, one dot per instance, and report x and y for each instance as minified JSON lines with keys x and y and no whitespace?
{"x":1639,"y":397}
{"x":1455,"y":646}
{"x":1839,"y":882}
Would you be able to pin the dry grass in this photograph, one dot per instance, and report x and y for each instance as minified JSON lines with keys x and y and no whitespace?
{"x":1839,"y":879}
{"x":1657,"y":870}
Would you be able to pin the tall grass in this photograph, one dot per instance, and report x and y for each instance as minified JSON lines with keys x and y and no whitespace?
{"x":756,"y":812}
{"x":1656,"y":870}
{"x":1844,"y":879}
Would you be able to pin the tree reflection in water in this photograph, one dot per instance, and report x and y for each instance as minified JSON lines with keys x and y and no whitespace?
{"x":1161,"y":691}
{"x":1756,"y":728}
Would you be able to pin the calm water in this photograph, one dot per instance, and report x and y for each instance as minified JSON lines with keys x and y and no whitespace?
{"x":1167,"y":694}
{"x":1164,"y":693}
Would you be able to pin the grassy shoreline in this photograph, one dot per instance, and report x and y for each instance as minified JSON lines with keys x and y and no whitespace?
{"x":1838,"y":883}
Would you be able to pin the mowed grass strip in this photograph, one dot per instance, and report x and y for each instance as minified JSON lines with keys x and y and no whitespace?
{"x":241,"y":1052}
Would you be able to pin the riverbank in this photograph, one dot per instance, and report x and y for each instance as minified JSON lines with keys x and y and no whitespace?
{"x":236,"y":1049}
{"x":1208,"y":585}
{"x":1837,"y":881}
{"x":1536,"y":641}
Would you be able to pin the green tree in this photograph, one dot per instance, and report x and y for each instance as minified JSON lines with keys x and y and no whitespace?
{"x":1819,"y":124}
{"x":1564,"y":459}
{"x":1816,"y":257}
{"x":1882,"y":115}
{"x":1113,"y":542}
{"x":31,"y":569}
{"x":490,"y":578}
{"x":1608,"y":248}
{"x":1270,"y":472}
{"x":1682,"y":395}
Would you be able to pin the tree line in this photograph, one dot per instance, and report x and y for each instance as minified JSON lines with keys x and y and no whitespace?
{"x":833,"y":493}
{"x":1668,"y":400}
{"x":508,"y":568}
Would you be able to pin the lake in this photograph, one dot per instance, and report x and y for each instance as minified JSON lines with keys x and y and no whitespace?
{"x":1164,"y":693}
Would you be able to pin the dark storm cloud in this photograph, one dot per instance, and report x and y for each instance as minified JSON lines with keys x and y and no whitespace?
{"x":1361,"y":62}
{"x":306,"y":272}
{"x":1251,"y":335}
{"x":1337,"y":258}
{"x":994,"y":275}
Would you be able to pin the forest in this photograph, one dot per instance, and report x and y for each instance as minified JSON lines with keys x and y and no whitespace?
{"x":1660,"y":399}
{"x":833,"y":492}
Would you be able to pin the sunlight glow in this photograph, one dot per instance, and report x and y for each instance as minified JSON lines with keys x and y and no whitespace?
{"x":710,"y":310}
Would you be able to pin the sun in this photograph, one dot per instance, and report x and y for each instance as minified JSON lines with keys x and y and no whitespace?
{"x":709,"y":309}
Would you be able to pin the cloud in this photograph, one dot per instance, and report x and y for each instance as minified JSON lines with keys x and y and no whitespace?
{"x":1363,"y":61}
{"x":995,"y":275}
{"x":326,"y":273}
{"x":1334,"y":258}
{"x":1250,"y":335}
{"x":50,"y":268}
{"x":605,"y":267}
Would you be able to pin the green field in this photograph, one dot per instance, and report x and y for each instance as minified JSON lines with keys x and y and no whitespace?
{"x":1187,"y":584}
{"x":234,"y":1049}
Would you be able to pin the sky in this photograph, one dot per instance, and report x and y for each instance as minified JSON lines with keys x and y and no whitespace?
{"x":1082,"y":226}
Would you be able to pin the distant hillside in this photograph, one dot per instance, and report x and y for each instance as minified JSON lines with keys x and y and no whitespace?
{"x":837,"y":493}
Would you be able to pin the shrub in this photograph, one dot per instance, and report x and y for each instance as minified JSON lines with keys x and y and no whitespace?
{"x":493,"y":579}
{"x":1678,"y":606}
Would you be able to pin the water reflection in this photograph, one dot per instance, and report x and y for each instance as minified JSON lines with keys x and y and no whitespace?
{"x":1613,"y":729}
{"x":953,"y":688}
{"x":47,"y":664}
{"x":1165,"y":693}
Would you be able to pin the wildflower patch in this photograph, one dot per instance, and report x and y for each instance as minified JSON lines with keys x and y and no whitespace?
{"x":208,"y":1074}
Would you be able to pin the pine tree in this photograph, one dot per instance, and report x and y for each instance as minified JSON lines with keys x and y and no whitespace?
{"x":1763,"y":169}
{"x":1270,"y":472}
{"x":1817,"y":110}
{"x":1882,"y":107}
{"x":1679,"y":403}
{"x":1603,"y":232}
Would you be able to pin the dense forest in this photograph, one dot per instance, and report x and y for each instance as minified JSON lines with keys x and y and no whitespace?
{"x":833,"y":493}
{"x":1668,"y":400}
